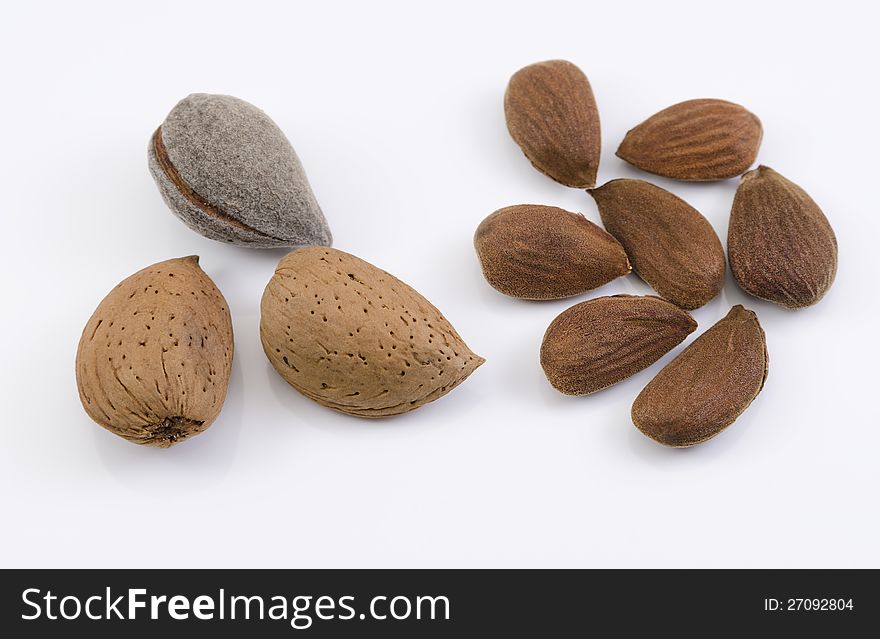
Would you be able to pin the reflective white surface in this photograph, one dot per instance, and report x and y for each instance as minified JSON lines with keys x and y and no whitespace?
{"x":396,"y":113}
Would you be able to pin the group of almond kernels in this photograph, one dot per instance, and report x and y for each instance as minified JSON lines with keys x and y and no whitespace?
{"x":780,"y":247}
{"x":154,"y":360}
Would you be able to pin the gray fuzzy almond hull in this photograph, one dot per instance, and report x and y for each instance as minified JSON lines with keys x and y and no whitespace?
{"x":303,"y":225}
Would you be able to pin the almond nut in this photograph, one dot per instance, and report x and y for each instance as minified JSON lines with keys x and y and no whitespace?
{"x":780,"y":244}
{"x":543,"y":252}
{"x":355,"y":338}
{"x":602,"y":341}
{"x":711,"y":382}
{"x":154,"y":360}
{"x":551,"y":114}
{"x":697,"y":140}
{"x":669,"y":243}
{"x":226,"y":170}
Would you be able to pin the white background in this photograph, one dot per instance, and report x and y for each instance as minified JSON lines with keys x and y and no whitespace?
{"x":396,"y":113}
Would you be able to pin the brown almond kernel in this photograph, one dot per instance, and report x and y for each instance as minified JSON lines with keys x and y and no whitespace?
{"x":780,"y":244}
{"x":696,"y":140}
{"x":551,"y":114}
{"x":602,"y":341}
{"x":543,"y":252}
{"x":711,"y":382}
{"x":669,"y":243}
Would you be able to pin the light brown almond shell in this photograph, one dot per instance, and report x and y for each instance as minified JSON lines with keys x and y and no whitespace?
{"x":357,"y":339}
{"x":154,"y":360}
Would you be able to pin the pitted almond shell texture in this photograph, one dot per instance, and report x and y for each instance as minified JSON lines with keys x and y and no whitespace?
{"x":711,"y":382}
{"x":780,"y":244}
{"x":697,"y":140}
{"x":356,"y":339}
{"x":602,"y":341}
{"x":543,"y":252}
{"x":154,"y":360}
{"x":669,"y":243}
{"x":551,"y":114}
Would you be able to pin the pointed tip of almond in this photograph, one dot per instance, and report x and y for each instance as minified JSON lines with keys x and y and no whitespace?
{"x":584,"y":175}
{"x":599,"y":190}
{"x":623,"y":151}
{"x":474,"y":361}
{"x":740,"y":313}
{"x":584,"y":182}
{"x":758,"y":171}
{"x":572,"y":177}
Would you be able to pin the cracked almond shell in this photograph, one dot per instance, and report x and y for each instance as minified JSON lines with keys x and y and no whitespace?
{"x":154,"y":360}
{"x":698,"y":140}
{"x":551,"y":114}
{"x":711,"y":382}
{"x":669,"y":243}
{"x":780,"y":245}
{"x":225,"y":169}
{"x":355,"y":338}
{"x":602,"y":341}
{"x":543,"y":252}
